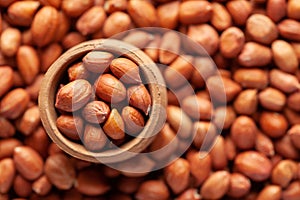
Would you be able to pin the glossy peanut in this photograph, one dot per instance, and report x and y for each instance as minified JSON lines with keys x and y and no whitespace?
{"x":272,"y":99}
{"x":261,"y":29}
{"x":70,"y":126}
{"x":110,"y":89}
{"x":60,"y":171}
{"x":239,"y":185}
{"x":168,"y":14}
{"x":243,"y":132}
{"x":284,"y":56}
{"x":192,"y":12}
{"x":273,"y":124}
{"x":273,"y":192}
{"x":255,"y":55}
{"x":14,"y":103}
{"x":44,"y":24}
{"x":216,"y":185}
{"x":73,"y":96}
{"x":7,"y":174}
{"x":288,"y":29}
{"x":251,"y":78}
{"x":276,"y":9}
{"x":91,"y":20}
{"x":231,"y":42}
{"x":94,"y":139}
{"x":200,"y":165}
{"x":165,"y":143}
{"x":249,"y":162}
{"x":125,"y":70}
{"x":142,"y":12}
{"x":28,"y":63}
{"x":246,"y":102}
{"x":28,"y":162}
{"x":294,"y":133}
{"x":22,"y":187}
{"x":152,"y":189}
{"x":177,"y":175}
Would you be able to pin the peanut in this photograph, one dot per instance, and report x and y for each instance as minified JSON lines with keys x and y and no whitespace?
{"x":60,"y":171}
{"x":44,"y":24}
{"x":249,"y":162}
{"x":177,"y":175}
{"x":7,"y":174}
{"x":216,"y":185}
{"x":28,"y":162}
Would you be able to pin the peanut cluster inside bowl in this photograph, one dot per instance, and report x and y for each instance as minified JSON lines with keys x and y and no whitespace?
{"x":102,"y":101}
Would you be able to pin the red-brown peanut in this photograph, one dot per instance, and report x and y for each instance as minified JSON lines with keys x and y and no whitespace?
{"x":152,"y":189}
{"x":243,"y":132}
{"x":10,"y":41}
{"x":246,"y":102}
{"x":44,"y":24}
{"x":28,"y":63}
{"x":276,"y":9}
{"x":91,"y":182}
{"x":273,"y":124}
{"x":216,"y":185}
{"x":284,"y":56}
{"x":74,"y":9}
{"x":168,"y":14}
{"x":286,"y":149}
{"x":230,"y":148}
{"x":91,"y":21}
{"x":14,"y":103}
{"x":222,"y":89}
{"x":193,"y":12}
{"x":254,"y":55}
{"x":21,"y":13}
{"x":261,"y":29}
{"x":264,"y":144}
{"x":165,"y":137}
{"x":272,"y":192}
{"x":288,"y":29}
{"x":177,"y":175}
{"x":292,"y":192}
{"x":42,"y":186}
{"x":28,"y":162}
{"x":224,"y":117}
{"x":231,"y":42}
{"x":239,"y":185}
{"x":206,"y":36}
{"x":39,"y":141}
{"x":284,"y":172}
{"x":218,"y":154}
{"x":239,"y":10}
{"x":200,"y":165}
{"x":272,"y":99}
{"x":113,"y":5}
{"x":283,"y":81}
{"x":251,"y":78}
{"x":294,"y":133}
{"x":22,"y":187}
{"x":60,"y":171}
{"x":204,"y":131}
{"x":142,"y":13}
{"x":116,"y":23}
{"x":7,"y":174}
{"x":249,"y":163}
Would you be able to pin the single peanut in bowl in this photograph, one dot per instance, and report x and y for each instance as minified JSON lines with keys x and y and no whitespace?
{"x":103,"y":98}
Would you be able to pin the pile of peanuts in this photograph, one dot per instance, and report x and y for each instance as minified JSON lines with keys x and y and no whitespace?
{"x":256,"y":47}
{"x":116,"y":81}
